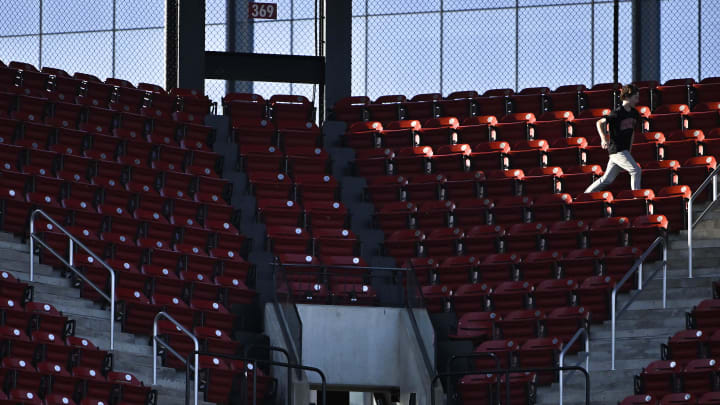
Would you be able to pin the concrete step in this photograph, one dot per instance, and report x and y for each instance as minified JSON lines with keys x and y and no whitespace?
{"x":698,"y":243}
{"x":655,"y":293}
{"x":701,"y":249}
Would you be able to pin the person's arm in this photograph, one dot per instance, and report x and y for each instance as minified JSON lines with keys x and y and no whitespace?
{"x":603,"y":132}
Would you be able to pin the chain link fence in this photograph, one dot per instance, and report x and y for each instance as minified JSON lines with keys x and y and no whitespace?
{"x":403,"y":46}
{"x":106,"y":38}
{"x":412,"y":47}
{"x":294,"y":32}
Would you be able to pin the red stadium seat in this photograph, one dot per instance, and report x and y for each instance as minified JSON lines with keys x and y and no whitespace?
{"x":685,"y":345}
{"x":490,"y":156}
{"x":401,"y":134}
{"x":439,"y":132}
{"x":539,"y":266}
{"x":422,"y":106}
{"x":657,"y":378}
{"x":456,"y":271}
{"x":593,"y":294}
{"x":551,"y":294}
{"x":373,"y":162}
{"x":458,"y":104}
{"x":475,"y":130}
{"x":363,"y":135}
{"x":351,"y":109}
{"x":451,"y":159}
{"x":475,"y":326}
{"x":551,"y":207}
{"x":386,"y":108}
{"x":425,"y":187}
{"x":510,"y":296}
{"x":593,"y":205}
{"x":483,"y":240}
{"x":466,"y":185}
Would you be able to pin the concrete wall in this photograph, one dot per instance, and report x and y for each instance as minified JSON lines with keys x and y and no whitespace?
{"x":366,"y":349}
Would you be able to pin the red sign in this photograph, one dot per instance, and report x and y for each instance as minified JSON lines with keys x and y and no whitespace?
{"x":262,"y":10}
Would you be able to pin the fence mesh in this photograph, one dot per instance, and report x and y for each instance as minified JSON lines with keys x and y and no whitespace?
{"x":106,"y":38}
{"x":403,"y":46}
{"x":413,"y":47}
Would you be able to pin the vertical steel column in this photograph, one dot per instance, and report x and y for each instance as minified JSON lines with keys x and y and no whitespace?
{"x":40,"y":37}
{"x":699,"y":40}
{"x":592,"y":43}
{"x":689,"y":237}
{"x":114,"y":31}
{"x":517,"y":44}
{"x":292,"y":34}
{"x":442,"y":41}
{"x":366,"y":48}
{"x":321,"y":103}
{"x":616,"y":39}
{"x":171,"y":43}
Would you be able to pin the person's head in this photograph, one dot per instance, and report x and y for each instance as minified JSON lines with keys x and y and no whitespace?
{"x":631,"y":94}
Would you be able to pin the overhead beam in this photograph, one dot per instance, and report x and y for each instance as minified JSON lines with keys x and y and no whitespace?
{"x":264,"y":67}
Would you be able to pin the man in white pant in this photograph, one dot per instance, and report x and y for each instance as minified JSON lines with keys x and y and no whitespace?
{"x":616,"y":134}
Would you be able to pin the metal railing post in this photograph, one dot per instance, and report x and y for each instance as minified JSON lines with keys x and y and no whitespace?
{"x":157,"y":340}
{"x":664,"y":267}
{"x":31,"y":245}
{"x":71,"y":249}
{"x":689,"y":237}
{"x":612,"y":330}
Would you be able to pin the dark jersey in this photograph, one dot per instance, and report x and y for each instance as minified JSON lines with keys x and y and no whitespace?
{"x":622,"y":124}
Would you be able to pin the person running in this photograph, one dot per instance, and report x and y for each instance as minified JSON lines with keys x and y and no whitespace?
{"x":616,"y":134}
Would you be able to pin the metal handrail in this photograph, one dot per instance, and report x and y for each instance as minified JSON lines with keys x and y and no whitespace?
{"x":252,"y":367}
{"x":342,"y":267}
{"x":637,"y":267}
{"x":289,"y":398}
{"x":507,"y":373}
{"x":156,"y":340}
{"x":712,"y":177}
{"x":69,"y":263}
{"x":474,"y":355}
{"x":561,"y":359}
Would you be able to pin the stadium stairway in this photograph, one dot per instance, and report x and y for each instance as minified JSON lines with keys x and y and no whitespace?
{"x":133,"y":353}
{"x":645,"y":325}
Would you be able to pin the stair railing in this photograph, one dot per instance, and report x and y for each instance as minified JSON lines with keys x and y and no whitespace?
{"x":712,"y":178}
{"x":156,"y":339}
{"x":70,"y":263}
{"x":637,"y":268}
{"x":561,"y":359}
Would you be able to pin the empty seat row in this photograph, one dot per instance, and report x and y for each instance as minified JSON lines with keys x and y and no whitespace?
{"x":683,"y":398}
{"x":40,"y":117}
{"x":533,"y":267}
{"x":279,"y":108}
{"x":552,"y":126}
{"x":83,"y":88}
{"x":81,"y":145}
{"x":298,"y":160}
{"x":537,"y":100}
{"x":282,"y":134}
